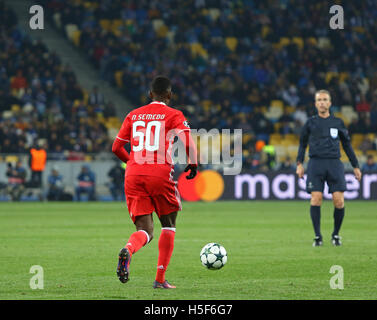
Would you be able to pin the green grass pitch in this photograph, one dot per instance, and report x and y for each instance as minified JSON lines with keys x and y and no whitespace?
{"x":269,"y":244}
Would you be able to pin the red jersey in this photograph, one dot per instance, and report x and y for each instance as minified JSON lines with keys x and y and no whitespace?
{"x":151,"y":130}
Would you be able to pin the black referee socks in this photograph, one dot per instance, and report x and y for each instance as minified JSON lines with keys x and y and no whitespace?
{"x":338,"y":219}
{"x":315,"y":214}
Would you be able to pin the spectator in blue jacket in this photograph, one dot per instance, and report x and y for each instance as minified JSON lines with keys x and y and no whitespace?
{"x":16,"y":180}
{"x":55,"y":185}
{"x":370,"y":165}
{"x":86,"y":184}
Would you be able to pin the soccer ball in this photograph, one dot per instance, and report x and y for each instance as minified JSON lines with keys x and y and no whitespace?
{"x":213,"y":256}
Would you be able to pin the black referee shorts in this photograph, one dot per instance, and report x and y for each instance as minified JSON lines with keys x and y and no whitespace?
{"x":320,"y":171}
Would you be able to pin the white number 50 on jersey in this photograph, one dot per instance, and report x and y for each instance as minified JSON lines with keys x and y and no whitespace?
{"x":148,"y":135}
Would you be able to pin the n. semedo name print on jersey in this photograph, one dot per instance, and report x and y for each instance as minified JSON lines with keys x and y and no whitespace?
{"x":148,"y":116}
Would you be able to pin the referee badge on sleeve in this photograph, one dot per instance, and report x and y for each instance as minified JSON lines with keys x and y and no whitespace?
{"x":334,"y":133}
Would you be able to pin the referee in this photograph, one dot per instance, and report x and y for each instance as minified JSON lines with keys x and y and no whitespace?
{"x":322,"y":132}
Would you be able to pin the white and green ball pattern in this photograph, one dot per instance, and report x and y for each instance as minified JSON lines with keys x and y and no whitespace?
{"x":213,"y":256}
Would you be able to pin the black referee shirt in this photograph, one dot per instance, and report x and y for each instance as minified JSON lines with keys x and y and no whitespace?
{"x":323,"y":135}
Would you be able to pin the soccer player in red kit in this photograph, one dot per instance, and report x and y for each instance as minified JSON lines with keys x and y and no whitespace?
{"x":149,"y":184}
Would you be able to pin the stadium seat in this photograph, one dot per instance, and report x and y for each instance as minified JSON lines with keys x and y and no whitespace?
{"x":100,"y":118}
{"x":292,"y":151}
{"x":358,"y":29}
{"x":286,"y":143}
{"x":372,"y":152}
{"x":13,"y":92}
{"x":204,"y":11}
{"x":265,"y":31}
{"x":157,"y":23}
{"x":324,"y":42}
{"x":299,"y":42}
{"x":112,"y":132}
{"x":57,"y":20}
{"x":113,"y":122}
{"x":277,"y":126}
{"x":76,"y":103}
{"x":116,"y":23}
{"x":263,"y":109}
{"x":108,"y":125}
{"x":89,"y":5}
{"x":312,"y":41}
{"x":206,"y":104}
{"x":214,"y":13}
{"x":292,"y":138}
{"x":355,"y":145}
{"x":280,"y":158}
{"x":343,"y":156}
{"x":119,"y":78}
{"x":170,"y":36}
{"x":76,"y":38}
{"x":275,"y":138}
{"x":246,"y":137}
{"x":346,"y":109}
{"x":86,"y":96}
{"x":343,"y":76}
{"x":20,"y":92}
{"x":197,"y":49}
{"x":343,"y":117}
{"x":162,"y":31}
{"x":231,"y":43}
{"x":11,"y":159}
{"x":7,"y":114}
{"x":116,"y":32}
{"x":277,"y":103}
{"x":105,"y":24}
{"x":129,"y":22}
{"x":27,"y":108}
{"x":69,"y":30}
{"x":358,"y":153}
{"x":284,"y":41}
{"x":281,"y":152}
{"x":349,"y":113}
{"x":356,"y":140}
{"x":330,"y":75}
{"x":274,"y":113}
{"x":290,"y":109}
{"x":15,"y":108}
{"x":204,"y":53}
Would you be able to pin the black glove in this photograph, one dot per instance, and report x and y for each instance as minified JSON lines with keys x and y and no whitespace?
{"x":193,"y":172}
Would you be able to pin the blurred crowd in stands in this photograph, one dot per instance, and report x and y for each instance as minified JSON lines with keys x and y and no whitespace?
{"x":223,"y":52}
{"x":228,"y":61}
{"x":40,"y":99}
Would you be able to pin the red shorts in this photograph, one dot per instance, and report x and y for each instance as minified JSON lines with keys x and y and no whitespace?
{"x":145,"y":194}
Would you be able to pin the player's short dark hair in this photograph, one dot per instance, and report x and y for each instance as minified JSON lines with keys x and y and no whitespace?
{"x":161,"y":85}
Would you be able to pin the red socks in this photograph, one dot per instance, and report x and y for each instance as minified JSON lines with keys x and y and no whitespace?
{"x":165,"y":250}
{"x":137,"y":240}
